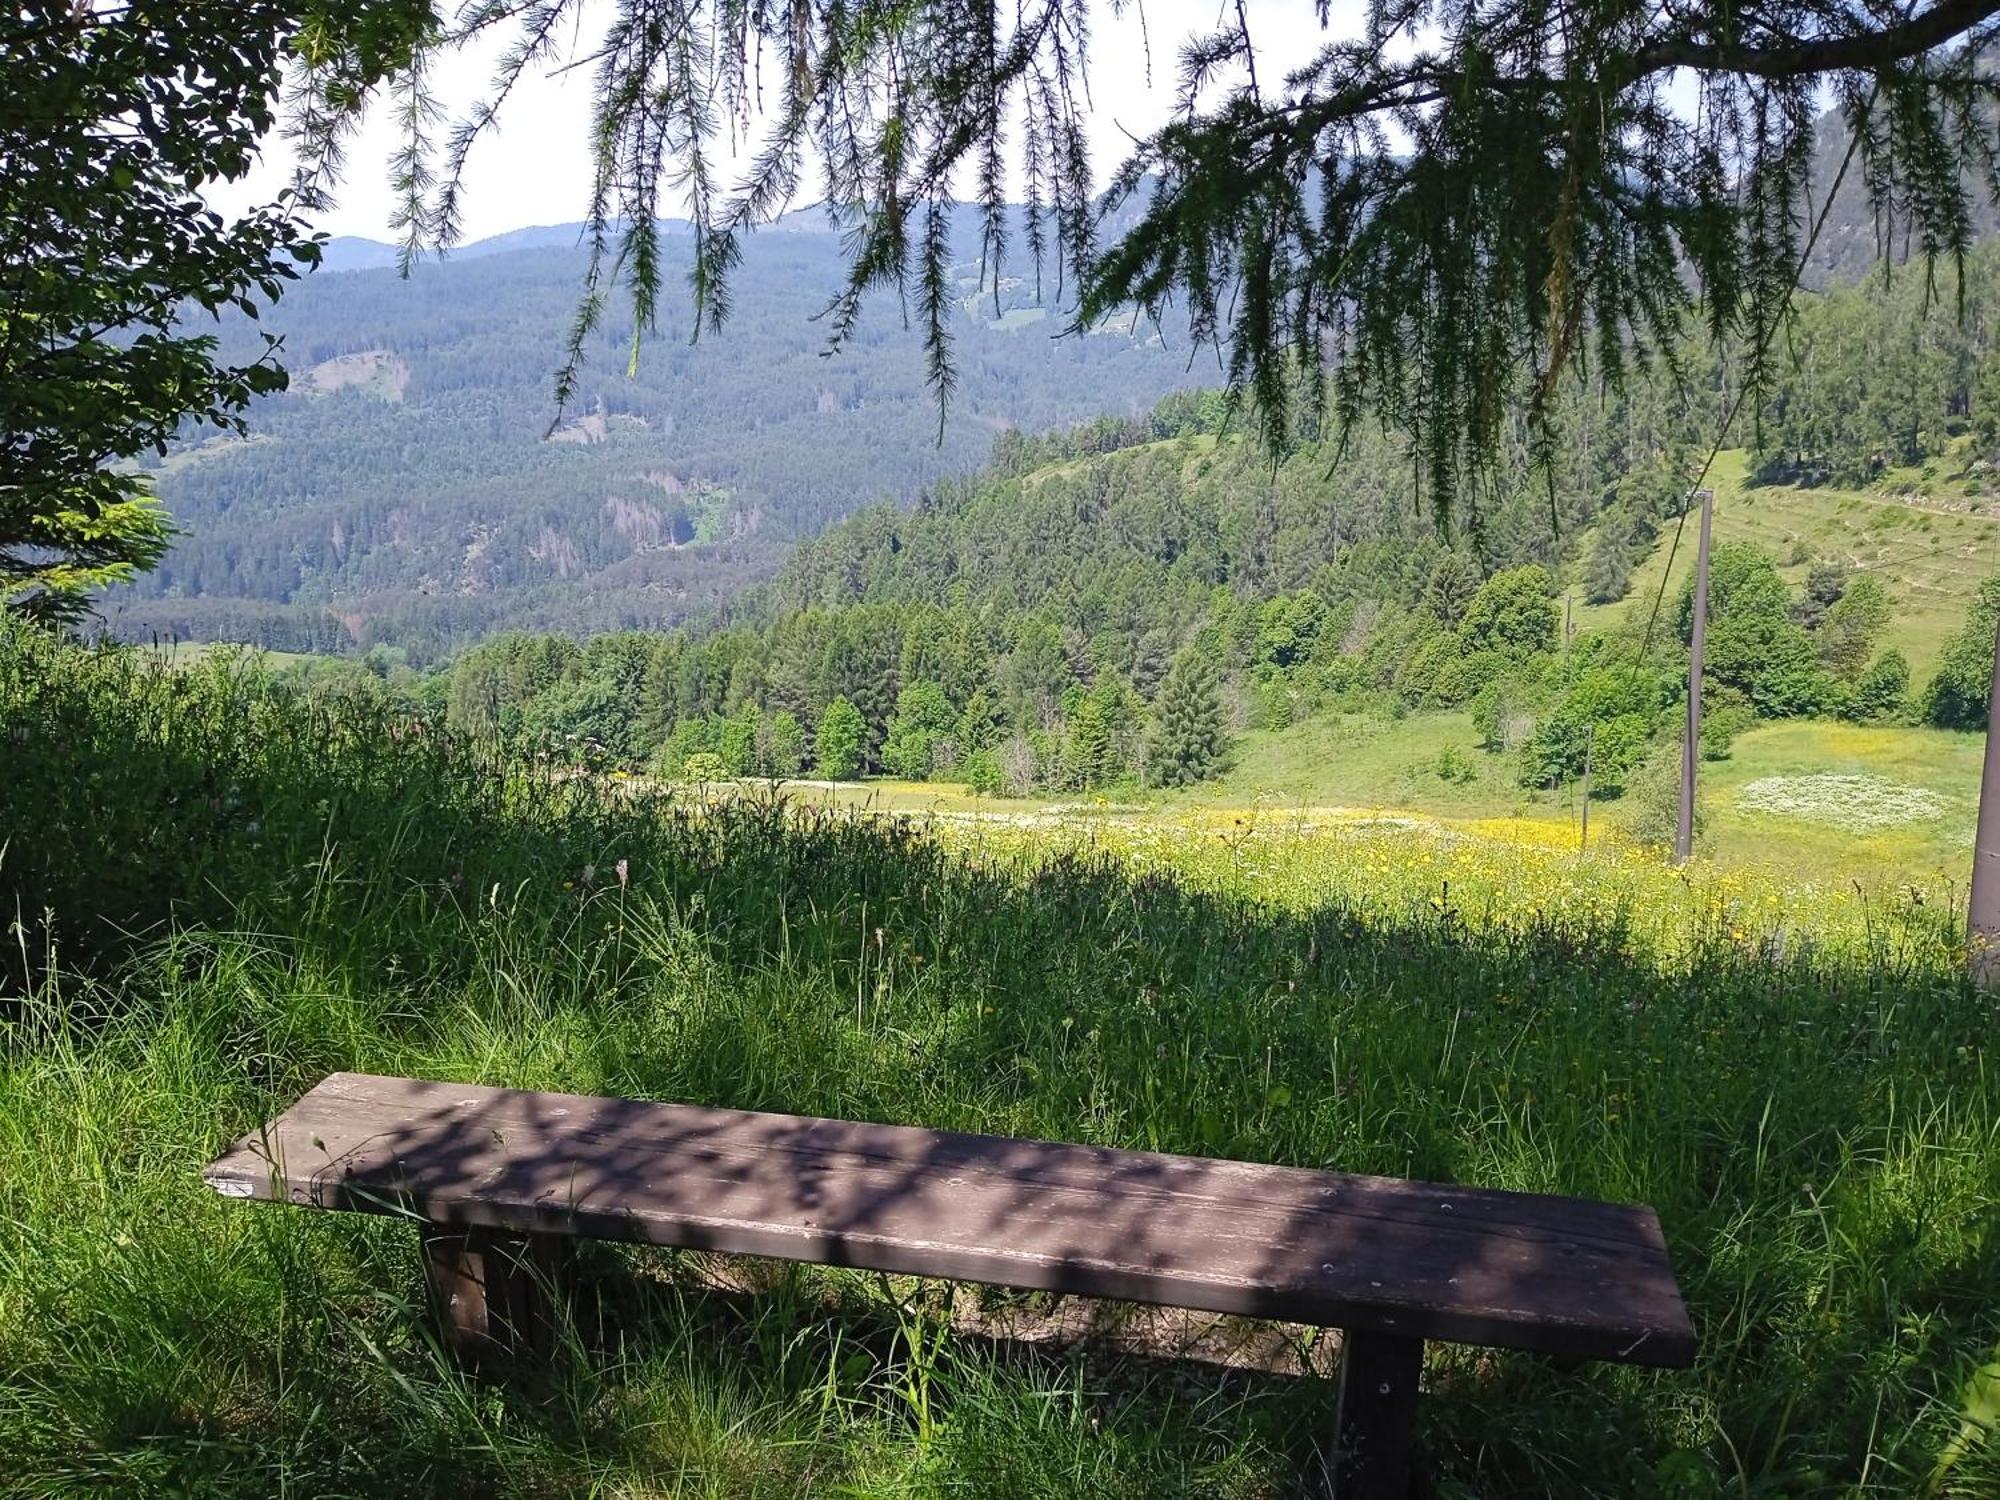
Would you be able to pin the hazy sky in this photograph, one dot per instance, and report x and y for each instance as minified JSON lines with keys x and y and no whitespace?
{"x":534,"y":170}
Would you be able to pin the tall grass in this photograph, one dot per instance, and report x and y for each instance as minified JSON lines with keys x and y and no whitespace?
{"x":224,"y":892}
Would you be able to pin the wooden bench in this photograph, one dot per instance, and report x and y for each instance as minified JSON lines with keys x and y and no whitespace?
{"x":502,"y":1182}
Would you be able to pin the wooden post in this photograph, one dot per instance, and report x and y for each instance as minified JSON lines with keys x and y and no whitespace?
{"x":1376,"y":1426}
{"x":1983,"y":916}
{"x":1691,"y":740}
{"x":496,"y":1295}
{"x":1589,"y":740}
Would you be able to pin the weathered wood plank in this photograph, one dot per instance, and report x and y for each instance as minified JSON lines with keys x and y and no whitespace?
{"x":1378,"y":1255}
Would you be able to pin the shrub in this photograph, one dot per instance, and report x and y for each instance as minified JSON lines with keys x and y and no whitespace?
{"x":1454,"y":765}
{"x":1655,"y":799}
{"x":1720,"y":726}
{"x":704,"y":766}
{"x":1883,"y":692}
{"x":1431,"y":675}
{"x":1609,"y":711}
{"x":1957,"y":693}
{"x":981,"y":771}
{"x":1504,"y":712}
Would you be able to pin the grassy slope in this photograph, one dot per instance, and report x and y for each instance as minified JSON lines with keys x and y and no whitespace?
{"x":1930,"y":552}
{"x":1814,"y":1120}
{"x":1931,"y":849}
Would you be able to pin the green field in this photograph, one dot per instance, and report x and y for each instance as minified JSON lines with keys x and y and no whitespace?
{"x":228,"y":893}
{"x":1901,"y":814}
{"x":1357,"y":762}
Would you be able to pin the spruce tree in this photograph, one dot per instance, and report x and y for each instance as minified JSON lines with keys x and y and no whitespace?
{"x":1189,"y":742}
{"x":1087,"y":748}
{"x":1607,"y":576}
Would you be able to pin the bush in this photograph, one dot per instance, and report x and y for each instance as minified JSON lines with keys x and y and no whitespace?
{"x":981,"y":771}
{"x":1883,"y":692}
{"x":1656,"y":801}
{"x":1454,"y":765}
{"x":1430,"y":675}
{"x":1719,"y":728}
{"x":1504,"y":712}
{"x":1957,"y":693}
{"x":1611,"y":712}
{"x":704,"y":766}
{"x":1272,"y":704}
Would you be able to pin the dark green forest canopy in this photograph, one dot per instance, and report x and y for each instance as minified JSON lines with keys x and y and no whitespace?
{"x":1426,"y":222}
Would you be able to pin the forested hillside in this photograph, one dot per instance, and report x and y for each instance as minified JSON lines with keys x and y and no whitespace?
{"x":1114,"y":602}
{"x":407,"y":487}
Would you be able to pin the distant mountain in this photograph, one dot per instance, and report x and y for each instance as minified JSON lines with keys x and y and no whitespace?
{"x":347,"y":252}
{"x":409,"y":486}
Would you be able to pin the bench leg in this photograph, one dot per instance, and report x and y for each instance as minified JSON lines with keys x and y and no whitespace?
{"x":1375,"y":1428}
{"x":495,"y":1295}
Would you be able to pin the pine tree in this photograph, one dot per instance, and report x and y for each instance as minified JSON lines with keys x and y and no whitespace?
{"x":1087,"y":749}
{"x":1189,"y":741}
{"x":1607,"y":576}
{"x":1452,"y":584}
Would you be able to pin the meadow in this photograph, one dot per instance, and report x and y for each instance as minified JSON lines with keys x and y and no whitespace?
{"x":1799,"y":803}
{"x":221,"y":891}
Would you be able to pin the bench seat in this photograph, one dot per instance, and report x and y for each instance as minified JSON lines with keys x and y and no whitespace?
{"x":1392,"y":1262}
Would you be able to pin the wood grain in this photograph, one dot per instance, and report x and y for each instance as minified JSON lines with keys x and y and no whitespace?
{"x":1381,"y":1255}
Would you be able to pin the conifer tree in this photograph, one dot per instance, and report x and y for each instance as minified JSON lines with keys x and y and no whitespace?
{"x":1087,"y":747}
{"x":1189,"y":742}
{"x":1608,"y":574}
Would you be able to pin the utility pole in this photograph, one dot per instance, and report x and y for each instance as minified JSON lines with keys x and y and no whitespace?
{"x":1589,"y":739}
{"x":1983,"y":924}
{"x":1691,"y":742}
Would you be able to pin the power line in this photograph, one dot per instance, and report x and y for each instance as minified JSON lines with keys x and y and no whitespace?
{"x":1743,"y":391}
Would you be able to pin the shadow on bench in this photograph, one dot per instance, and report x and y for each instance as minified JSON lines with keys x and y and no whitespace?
{"x":503,"y":1182}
